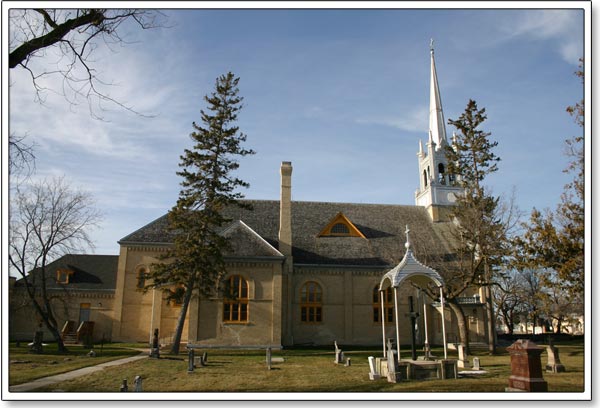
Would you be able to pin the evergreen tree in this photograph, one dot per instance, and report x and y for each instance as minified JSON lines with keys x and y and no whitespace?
{"x":482,"y":222}
{"x":195,"y":261}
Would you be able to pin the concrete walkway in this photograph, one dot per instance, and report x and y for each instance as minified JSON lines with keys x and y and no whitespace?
{"x":42,"y":382}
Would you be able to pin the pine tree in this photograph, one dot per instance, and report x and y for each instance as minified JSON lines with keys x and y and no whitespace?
{"x":482,"y":223}
{"x":195,"y":262}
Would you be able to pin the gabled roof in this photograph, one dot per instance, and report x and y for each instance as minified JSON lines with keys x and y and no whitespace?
{"x":90,"y":272}
{"x":381,"y":224}
{"x":245,"y":242}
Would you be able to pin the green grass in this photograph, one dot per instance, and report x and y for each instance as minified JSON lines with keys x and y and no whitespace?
{"x":309,"y":370}
{"x":25,"y":366}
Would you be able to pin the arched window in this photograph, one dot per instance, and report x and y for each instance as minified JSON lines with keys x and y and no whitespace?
{"x":425,"y":178}
{"x":141,"y":278}
{"x":388,"y":302}
{"x":311,"y":298}
{"x":235,"y":304}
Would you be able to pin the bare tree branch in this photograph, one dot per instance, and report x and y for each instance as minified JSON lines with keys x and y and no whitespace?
{"x":75,"y":34}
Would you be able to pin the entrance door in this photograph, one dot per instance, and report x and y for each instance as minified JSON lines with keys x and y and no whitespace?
{"x":84,"y":312}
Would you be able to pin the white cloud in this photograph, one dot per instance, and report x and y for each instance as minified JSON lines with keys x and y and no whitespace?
{"x":563,"y":26}
{"x":413,"y":120}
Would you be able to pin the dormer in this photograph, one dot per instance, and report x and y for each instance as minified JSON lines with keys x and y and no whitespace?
{"x":340,"y":226}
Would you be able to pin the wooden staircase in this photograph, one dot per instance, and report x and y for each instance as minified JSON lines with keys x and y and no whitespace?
{"x":71,"y":334}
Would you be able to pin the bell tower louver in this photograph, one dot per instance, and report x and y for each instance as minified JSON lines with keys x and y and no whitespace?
{"x":437,"y":188}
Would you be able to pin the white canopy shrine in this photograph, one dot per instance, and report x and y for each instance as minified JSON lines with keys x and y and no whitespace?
{"x":413,"y":270}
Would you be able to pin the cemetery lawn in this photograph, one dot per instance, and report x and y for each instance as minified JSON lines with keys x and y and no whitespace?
{"x":25,"y":366}
{"x":310,"y":370}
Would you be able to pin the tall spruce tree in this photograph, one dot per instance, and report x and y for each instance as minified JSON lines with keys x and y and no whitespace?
{"x":195,"y":262}
{"x":482,"y":222}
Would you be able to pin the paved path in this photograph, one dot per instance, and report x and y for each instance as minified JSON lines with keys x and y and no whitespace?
{"x":42,"y":382}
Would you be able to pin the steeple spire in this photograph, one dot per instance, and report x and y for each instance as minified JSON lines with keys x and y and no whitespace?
{"x":437,"y":127}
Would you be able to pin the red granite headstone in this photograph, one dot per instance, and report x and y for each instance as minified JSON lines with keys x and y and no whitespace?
{"x":526,"y":367}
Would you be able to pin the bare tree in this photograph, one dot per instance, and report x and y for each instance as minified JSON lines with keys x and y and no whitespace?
{"x":47,"y":220}
{"x":66,"y":39}
{"x":21,"y":159}
{"x":509,"y":298}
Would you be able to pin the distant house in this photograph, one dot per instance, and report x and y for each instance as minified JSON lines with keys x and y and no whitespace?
{"x":81,"y":289}
{"x":301,"y":272}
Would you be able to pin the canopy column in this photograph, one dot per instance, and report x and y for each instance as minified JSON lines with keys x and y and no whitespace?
{"x":382,"y":315}
{"x":443,"y":323}
{"x":397,"y":322}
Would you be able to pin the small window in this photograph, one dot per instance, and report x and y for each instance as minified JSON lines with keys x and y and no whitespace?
{"x":425,"y":178}
{"x":62,"y":276}
{"x":340,"y":228}
{"x":311,"y":307}
{"x":235,"y":304}
{"x":141,"y":278}
{"x":388,"y":305}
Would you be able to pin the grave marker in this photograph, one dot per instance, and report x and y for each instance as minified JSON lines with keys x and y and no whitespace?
{"x":554,"y":365}
{"x":190,"y":361}
{"x":476,"y":365}
{"x":137,"y":381}
{"x":155,"y":352}
{"x":373,"y":374}
{"x":462,"y":356}
{"x":526,"y":367}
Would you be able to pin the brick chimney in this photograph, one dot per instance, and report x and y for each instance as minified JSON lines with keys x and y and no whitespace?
{"x":285,"y":210}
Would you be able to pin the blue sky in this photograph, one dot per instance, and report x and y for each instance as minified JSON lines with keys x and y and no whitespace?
{"x":343,"y":94}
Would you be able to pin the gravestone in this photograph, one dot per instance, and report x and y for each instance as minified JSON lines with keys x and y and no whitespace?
{"x":155,"y":352}
{"x":373,"y":374}
{"x":204,"y":358}
{"x":462,"y":357}
{"x":269,"y":362}
{"x":124,"y":387}
{"x":339,"y":355}
{"x":476,"y":365}
{"x":348,"y":362}
{"x":190,"y":361}
{"x":554,"y":365}
{"x":36,"y":345}
{"x":137,"y":381}
{"x":526,"y":367}
{"x":92,"y":353}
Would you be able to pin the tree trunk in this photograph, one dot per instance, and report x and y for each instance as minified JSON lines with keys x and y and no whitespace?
{"x":463,"y":332}
{"x":50,"y":324}
{"x":181,"y":320}
{"x":491,"y":326}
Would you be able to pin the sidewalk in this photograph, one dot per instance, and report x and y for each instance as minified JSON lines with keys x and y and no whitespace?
{"x":42,"y":382}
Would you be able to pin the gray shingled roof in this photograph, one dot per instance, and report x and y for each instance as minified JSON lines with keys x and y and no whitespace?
{"x":383,"y":225}
{"x":90,"y":272}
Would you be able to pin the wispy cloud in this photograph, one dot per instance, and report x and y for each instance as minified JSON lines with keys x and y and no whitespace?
{"x":563,"y":26}
{"x":413,"y":120}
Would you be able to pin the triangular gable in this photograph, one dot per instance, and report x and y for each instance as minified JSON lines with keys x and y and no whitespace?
{"x":341,"y":226}
{"x":245,"y":242}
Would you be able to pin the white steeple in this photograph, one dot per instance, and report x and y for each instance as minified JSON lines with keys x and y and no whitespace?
{"x":437,"y":126}
{"x":437,"y":189}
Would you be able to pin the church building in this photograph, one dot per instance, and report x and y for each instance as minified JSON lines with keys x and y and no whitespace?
{"x":306,"y":272}
{"x":303,"y":273}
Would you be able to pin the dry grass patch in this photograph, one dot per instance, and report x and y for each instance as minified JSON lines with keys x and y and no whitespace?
{"x":25,"y":366}
{"x":307,"y":371}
